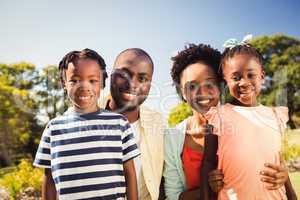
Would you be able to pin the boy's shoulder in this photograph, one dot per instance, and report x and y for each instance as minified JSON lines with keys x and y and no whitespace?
{"x":101,"y":115}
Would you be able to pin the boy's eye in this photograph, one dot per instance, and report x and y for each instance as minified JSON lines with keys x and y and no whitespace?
{"x":73,"y":81}
{"x":94,"y":81}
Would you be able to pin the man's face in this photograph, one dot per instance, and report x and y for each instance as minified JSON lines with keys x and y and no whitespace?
{"x":83,"y":85}
{"x":130,"y":81}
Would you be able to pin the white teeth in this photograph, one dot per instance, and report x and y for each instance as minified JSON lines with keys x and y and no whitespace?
{"x":204,"y":101}
{"x":83,"y":97}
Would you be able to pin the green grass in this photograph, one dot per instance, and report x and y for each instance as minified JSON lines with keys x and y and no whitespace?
{"x":6,"y":170}
{"x":294,"y":138}
{"x":295,"y":179}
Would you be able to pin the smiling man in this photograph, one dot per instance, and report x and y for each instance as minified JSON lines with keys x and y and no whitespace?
{"x":130,"y":86}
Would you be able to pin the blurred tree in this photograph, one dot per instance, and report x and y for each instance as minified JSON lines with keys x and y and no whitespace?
{"x":282,"y":66}
{"x":18,"y":124}
{"x":282,"y":84}
{"x":179,"y":113}
{"x":50,"y":95}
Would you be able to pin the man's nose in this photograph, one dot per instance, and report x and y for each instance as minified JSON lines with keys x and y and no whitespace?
{"x":134,"y":83}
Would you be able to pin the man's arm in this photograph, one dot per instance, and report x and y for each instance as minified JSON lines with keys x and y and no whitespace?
{"x":130,"y":178}
{"x":48,"y":187}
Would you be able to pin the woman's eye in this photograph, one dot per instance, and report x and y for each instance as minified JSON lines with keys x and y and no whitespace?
{"x":208,"y":85}
{"x":191,"y":87}
{"x":235,"y":78}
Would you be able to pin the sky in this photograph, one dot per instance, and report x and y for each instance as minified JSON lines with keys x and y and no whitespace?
{"x":43,"y":31}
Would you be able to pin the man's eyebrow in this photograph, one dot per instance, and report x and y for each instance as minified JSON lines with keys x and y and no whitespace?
{"x":142,"y":74}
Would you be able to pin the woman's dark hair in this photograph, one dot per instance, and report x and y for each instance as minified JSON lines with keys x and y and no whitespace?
{"x":192,"y":54}
{"x":246,"y":49}
{"x":74,"y":56}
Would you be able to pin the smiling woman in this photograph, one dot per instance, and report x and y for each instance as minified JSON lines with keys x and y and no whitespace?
{"x":195,"y":75}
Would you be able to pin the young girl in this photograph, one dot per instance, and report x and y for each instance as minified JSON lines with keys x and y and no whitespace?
{"x":249,"y":133}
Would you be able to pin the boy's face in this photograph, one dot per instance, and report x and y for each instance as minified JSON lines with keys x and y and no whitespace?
{"x":244,"y":76}
{"x":83,"y":85}
{"x":130,"y":81}
{"x":199,"y":87}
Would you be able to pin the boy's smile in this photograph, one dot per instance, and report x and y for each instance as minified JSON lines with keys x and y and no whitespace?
{"x":83,"y":85}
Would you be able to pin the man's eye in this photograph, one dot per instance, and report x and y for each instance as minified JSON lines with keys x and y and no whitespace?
{"x":143,"y":79}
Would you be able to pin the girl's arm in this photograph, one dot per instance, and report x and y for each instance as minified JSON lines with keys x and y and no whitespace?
{"x":48,"y":187}
{"x":130,"y":178}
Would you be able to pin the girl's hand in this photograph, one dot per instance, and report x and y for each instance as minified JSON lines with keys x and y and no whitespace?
{"x":275,"y":177}
{"x":215,"y":180}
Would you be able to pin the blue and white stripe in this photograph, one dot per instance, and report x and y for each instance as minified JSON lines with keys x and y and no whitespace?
{"x":86,"y":154}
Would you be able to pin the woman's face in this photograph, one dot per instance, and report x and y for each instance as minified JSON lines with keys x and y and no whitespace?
{"x":199,"y":87}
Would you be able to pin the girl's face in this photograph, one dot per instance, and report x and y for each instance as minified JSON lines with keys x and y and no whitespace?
{"x":244,"y":76}
{"x":199,"y":87}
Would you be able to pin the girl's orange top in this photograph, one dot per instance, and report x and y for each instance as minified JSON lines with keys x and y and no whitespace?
{"x":191,"y":162}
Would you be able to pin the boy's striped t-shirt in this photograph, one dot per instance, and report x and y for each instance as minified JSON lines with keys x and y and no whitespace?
{"x":86,"y":153}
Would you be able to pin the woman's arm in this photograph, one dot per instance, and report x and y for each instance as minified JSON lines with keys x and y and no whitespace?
{"x":130,"y":178}
{"x":173,"y":184}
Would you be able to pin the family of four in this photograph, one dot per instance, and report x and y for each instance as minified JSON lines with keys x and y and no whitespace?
{"x":116,"y":148}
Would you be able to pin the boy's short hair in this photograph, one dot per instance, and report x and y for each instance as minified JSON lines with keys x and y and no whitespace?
{"x":192,"y":54}
{"x":74,"y":56}
{"x":246,"y":49}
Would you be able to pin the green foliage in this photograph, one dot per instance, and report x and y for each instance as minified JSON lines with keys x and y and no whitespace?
{"x":18,"y":125}
{"x":291,"y":145}
{"x":23,"y":177}
{"x":179,"y":113}
{"x":50,"y":95}
{"x":282,"y":64}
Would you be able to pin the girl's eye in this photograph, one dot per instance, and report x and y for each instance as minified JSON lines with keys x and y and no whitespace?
{"x":252,"y":76}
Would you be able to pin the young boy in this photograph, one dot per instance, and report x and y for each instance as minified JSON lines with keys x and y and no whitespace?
{"x":87,"y":152}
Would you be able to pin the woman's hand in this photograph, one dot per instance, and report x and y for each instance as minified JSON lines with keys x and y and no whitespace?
{"x":275,"y":176}
{"x":215,"y":180}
